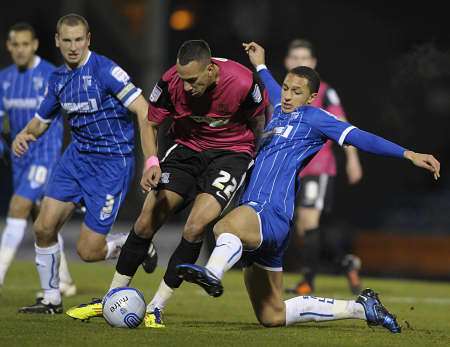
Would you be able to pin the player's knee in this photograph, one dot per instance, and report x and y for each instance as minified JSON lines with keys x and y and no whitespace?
{"x":142,"y":227}
{"x":90,"y":254}
{"x":273,"y":317}
{"x":223,"y":226}
{"x":193,"y":231}
{"x":45,"y":231}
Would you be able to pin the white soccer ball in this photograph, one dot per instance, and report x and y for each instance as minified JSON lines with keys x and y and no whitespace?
{"x":124,"y":307}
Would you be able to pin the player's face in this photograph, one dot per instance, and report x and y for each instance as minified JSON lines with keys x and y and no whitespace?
{"x":22,"y":47}
{"x":73,"y":42}
{"x":300,"y":57}
{"x":196,"y":76}
{"x":295,"y":93}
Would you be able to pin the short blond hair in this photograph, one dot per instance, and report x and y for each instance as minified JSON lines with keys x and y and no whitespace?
{"x":72,"y":19}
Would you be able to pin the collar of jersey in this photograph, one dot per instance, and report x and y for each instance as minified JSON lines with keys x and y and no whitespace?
{"x":84,"y":63}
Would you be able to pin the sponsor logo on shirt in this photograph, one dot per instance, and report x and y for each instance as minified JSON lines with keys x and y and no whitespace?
{"x":22,"y":103}
{"x":212,"y":122}
{"x":85,"y":106}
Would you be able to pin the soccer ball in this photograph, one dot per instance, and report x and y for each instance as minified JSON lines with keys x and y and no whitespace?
{"x":124,"y":307}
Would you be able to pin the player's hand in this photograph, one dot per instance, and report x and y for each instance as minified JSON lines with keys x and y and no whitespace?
{"x":354,"y":170}
{"x":20,"y":143}
{"x":150,"y":178}
{"x":426,"y":161}
{"x":255,"y":53}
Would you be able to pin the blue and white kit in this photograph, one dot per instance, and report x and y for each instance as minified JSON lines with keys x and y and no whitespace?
{"x":97,"y":166}
{"x":290,"y":141}
{"x":21,"y":93}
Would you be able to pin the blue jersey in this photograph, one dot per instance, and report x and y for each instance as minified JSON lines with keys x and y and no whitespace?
{"x":289,"y":142}
{"x":21,"y":93}
{"x":94,"y":96}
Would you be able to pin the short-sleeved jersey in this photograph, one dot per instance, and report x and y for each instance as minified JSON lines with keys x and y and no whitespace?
{"x":289,"y":142}
{"x":219,"y":118}
{"x":21,"y":93}
{"x":325,"y":162}
{"x":94,"y":96}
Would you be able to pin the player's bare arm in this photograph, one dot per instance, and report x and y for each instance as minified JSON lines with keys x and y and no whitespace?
{"x":140,"y":108}
{"x":152,"y":171}
{"x":256,"y":124}
{"x":426,"y":161}
{"x":353,"y":165}
{"x":147,"y":132}
{"x":34,"y":129}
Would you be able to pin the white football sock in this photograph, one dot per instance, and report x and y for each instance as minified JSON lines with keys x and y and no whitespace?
{"x":307,"y":308}
{"x":11,"y":239}
{"x":120,"y":280}
{"x":47,"y":263}
{"x":64,"y":274}
{"x":227,"y":252}
{"x":114,"y":244}
{"x":162,"y":295}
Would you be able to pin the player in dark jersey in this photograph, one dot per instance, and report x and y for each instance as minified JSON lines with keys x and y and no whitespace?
{"x":96,"y":167}
{"x":258,"y":230}
{"x":316,"y":194}
{"x":22,"y":88}
{"x":217,"y":107}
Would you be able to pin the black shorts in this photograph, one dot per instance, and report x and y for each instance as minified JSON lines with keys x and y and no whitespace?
{"x":316,"y":192}
{"x":217,"y":172}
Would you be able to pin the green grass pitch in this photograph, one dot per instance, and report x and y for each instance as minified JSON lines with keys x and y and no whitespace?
{"x":195,"y":319}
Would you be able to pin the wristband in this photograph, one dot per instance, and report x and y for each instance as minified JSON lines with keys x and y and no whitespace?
{"x":151,"y":161}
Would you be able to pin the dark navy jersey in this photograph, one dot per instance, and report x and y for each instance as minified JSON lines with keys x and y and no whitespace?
{"x":95,"y":97}
{"x":21,"y":93}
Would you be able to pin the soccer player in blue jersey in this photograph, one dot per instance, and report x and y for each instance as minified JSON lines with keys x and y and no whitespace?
{"x":258,"y":230}
{"x":22,"y":88}
{"x":97,"y":166}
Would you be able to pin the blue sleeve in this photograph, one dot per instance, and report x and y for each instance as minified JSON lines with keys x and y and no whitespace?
{"x":328,"y":125}
{"x":50,"y":105}
{"x":372,"y":143}
{"x":118,"y":83}
{"x":273,"y":88}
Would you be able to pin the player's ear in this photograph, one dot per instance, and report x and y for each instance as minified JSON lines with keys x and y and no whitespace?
{"x":89,"y":38}
{"x":210,"y":68}
{"x":57,"y":40}
{"x":311,"y":98}
{"x":8,"y":45}
{"x":35,"y":44}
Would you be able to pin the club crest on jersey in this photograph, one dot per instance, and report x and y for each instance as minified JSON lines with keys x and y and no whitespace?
{"x":59,"y":87}
{"x":87,"y":81}
{"x":6,"y":85}
{"x":38,"y":83}
{"x":156,"y":93}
